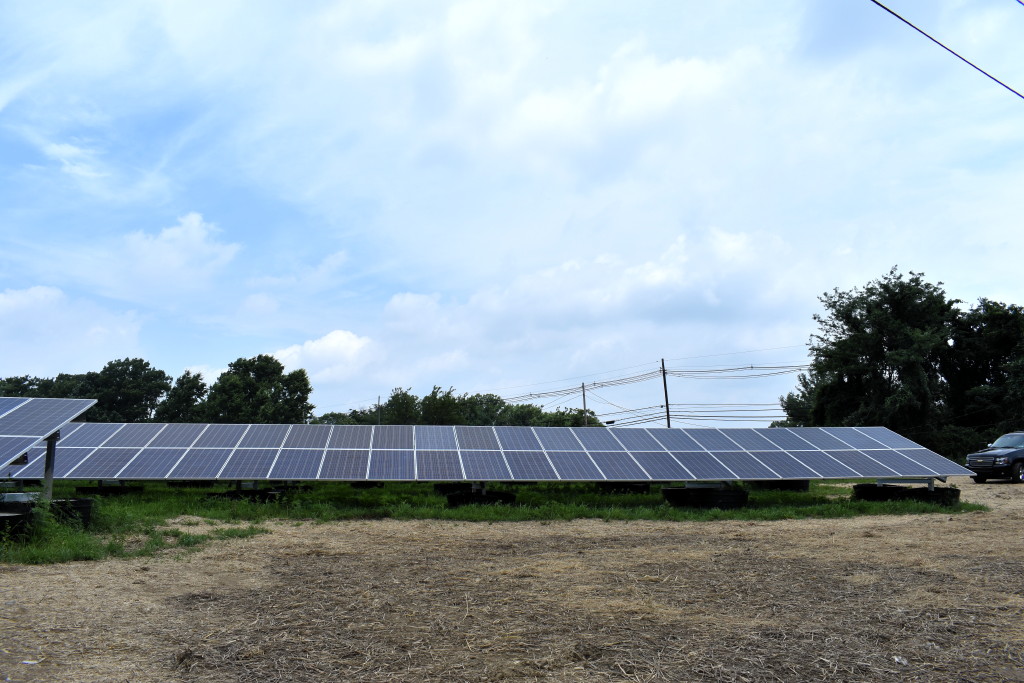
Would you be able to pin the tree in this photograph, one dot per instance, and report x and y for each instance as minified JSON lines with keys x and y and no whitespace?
{"x":900,"y":354}
{"x":877,"y":357}
{"x":126,"y":390}
{"x":184,"y":402}
{"x":257,"y":390}
{"x":401,"y":408}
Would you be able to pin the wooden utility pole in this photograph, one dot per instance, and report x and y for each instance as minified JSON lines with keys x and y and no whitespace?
{"x":664,"y":383}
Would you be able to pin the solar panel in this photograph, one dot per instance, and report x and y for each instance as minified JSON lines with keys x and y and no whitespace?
{"x":712,"y":440}
{"x":24,"y":422}
{"x":529,"y":465}
{"x":298,"y":463}
{"x":463,"y":453}
{"x":574,"y":466}
{"x":392,"y":465}
{"x":517,"y":439}
{"x":473,"y":438}
{"x":344,"y":464}
{"x":439,"y":465}
{"x":432,"y":437}
{"x":485,"y":466}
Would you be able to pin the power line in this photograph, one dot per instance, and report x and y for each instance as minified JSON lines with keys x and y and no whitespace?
{"x":949,"y":50}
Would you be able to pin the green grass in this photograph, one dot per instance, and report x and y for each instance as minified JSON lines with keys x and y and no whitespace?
{"x":137,"y":525}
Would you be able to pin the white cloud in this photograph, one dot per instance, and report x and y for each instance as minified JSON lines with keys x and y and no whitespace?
{"x":45,"y":332}
{"x":163,"y":269}
{"x":330,"y":359}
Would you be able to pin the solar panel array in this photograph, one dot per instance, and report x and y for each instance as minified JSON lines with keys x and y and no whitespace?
{"x":24,"y":422}
{"x":431,"y":453}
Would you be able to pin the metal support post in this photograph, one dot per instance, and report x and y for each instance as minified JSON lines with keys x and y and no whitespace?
{"x":51,"y":455}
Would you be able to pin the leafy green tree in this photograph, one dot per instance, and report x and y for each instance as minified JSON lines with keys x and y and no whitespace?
{"x":401,"y":408}
{"x":184,"y":402}
{"x":126,"y":390}
{"x":877,"y":357}
{"x":442,"y":407}
{"x":257,"y":390}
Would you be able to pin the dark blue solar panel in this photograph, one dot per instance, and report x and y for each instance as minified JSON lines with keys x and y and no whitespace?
{"x":200,"y":463}
{"x":308,"y":436}
{"x":345,"y":465}
{"x":485,"y":466}
{"x":935,"y":462}
{"x":824,"y":465}
{"x":852,"y":437}
{"x":574,"y":465}
{"x":529,"y":465}
{"x":392,"y":436}
{"x":13,"y":446}
{"x":177,"y":436}
{"x":42,"y":416}
{"x":8,"y":404}
{"x":476,"y":438}
{"x":89,"y":435}
{"x":745,"y":465}
{"x":900,"y":464}
{"x":662,"y":466}
{"x":674,"y":439}
{"x":618,"y":466}
{"x":438,"y":465}
{"x":785,"y":465}
{"x":517,"y":439}
{"x":712,"y":440}
{"x":863,"y":464}
{"x":704,"y":466}
{"x":220,"y":436}
{"x":437,"y":438}
{"x":392,"y":465}
{"x":784,"y":439}
{"x":264,"y":436}
{"x":819,"y":438}
{"x":749,"y":440}
{"x":637,"y":440}
{"x":152,"y":463}
{"x":298,"y":463}
{"x":597,"y":439}
{"x":64,"y":460}
{"x":134,"y":435}
{"x":887,"y":437}
{"x":249,"y":463}
{"x":104,"y":463}
{"x":350,"y":437}
{"x":558,"y":439}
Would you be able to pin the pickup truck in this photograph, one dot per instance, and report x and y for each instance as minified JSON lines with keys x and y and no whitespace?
{"x":1003,"y":459}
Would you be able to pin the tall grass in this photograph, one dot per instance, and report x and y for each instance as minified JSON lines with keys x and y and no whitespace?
{"x":139,"y":524}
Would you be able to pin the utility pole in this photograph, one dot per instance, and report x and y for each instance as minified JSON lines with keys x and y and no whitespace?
{"x":664,"y":383}
{"x":586,"y":421}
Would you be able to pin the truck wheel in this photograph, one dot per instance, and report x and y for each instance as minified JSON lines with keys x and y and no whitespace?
{"x":1018,"y":472}
{"x":979,"y":479}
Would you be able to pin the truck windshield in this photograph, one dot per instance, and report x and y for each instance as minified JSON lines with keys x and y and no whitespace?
{"x":1009,"y":441}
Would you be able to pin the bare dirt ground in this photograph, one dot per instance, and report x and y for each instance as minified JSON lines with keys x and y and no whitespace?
{"x":929,"y":598}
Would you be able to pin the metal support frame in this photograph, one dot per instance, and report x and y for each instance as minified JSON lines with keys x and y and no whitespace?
{"x":930,"y":481}
{"x":51,"y":456}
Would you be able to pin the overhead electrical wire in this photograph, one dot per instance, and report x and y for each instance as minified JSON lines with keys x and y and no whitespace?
{"x":949,"y":50}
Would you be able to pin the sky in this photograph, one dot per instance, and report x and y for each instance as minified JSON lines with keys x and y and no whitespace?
{"x":496,"y":197}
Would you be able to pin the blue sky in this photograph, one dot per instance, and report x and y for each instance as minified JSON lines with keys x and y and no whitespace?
{"x":499,"y":197}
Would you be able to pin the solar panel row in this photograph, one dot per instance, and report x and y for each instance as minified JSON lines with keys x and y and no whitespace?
{"x":429,"y":453}
{"x":24,"y":422}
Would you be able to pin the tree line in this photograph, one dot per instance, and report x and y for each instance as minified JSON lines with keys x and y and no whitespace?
{"x":258,"y":390}
{"x":900,"y":353}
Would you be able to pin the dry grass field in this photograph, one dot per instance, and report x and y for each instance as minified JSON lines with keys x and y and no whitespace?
{"x":929,"y":598}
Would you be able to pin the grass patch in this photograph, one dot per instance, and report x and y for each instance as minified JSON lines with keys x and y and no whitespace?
{"x":161,"y":518}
